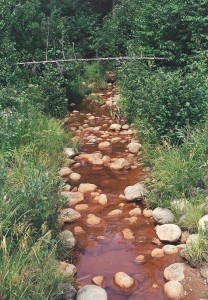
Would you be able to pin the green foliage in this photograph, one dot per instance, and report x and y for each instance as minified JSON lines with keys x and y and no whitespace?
{"x":172,"y":29}
{"x":28,"y":271}
{"x":197,"y":250}
{"x":95,"y":72}
{"x":162,"y":100}
{"x":181,"y":171}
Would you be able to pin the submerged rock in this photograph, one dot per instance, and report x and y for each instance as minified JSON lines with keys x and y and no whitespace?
{"x":91,"y":292}
{"x":93,"y":220}
{"x":123,"y":280}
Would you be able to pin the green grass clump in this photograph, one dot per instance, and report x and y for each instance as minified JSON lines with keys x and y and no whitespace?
{"x":31,"y":143}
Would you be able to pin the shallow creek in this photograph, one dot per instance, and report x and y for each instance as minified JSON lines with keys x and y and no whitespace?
{"x":102,"y":249}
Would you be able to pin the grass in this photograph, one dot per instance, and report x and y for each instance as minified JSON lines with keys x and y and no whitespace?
{"x":30,"y":157}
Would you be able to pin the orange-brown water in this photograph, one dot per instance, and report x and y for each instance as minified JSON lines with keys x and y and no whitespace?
{"x":102,"y":249}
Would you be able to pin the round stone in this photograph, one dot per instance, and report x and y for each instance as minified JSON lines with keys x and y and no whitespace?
{"x":75,"y":177}
{"x":170,"y":249}
{"x":89,"y":292}
{"x":123,"y":280}
{"x":168,"y":232}
{"x":163,"y":215}
{"x":147,"y":213}
{"x":174,"y":290}
{"x":175,"y":272}
{"x":157,"y":253}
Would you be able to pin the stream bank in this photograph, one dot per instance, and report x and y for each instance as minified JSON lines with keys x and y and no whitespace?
{"x":112,"y":234}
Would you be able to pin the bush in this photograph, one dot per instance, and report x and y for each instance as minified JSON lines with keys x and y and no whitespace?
{"x":163,"y":100}
{"x":181,"y":172}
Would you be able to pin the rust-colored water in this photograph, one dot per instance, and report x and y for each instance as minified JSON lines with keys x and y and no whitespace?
{"x":102,"y":249}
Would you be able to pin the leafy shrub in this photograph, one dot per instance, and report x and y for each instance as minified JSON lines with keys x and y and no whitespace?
{"x":162,"y":100}
{"x":181,"y":172}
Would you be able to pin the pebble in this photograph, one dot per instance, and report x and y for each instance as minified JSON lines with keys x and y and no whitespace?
{"x":147,"y":213}
{"x":75,"y":177}
{"x":170,"y":249}
{"x":157,"y":253}
{"x":135,"y":212}
{"x":98,"y":280}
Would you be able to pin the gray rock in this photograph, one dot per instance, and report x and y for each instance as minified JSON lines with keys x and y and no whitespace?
{"x":68,"y":215}
{"x":168,"y":232}
{"x":203,"y":223}
{"x":134,"y":147}
{"x":163,"y":215}
{"x":175,"y":272}
{"x":67,"y":239}
{"x":135,"y":192}
{"x":91,"y":292}
{"x":65,"y":291}
{"x":192,"y":239}
{"x":69,"y":152}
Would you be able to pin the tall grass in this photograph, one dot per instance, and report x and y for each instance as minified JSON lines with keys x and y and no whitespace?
{"x":30,"y":157}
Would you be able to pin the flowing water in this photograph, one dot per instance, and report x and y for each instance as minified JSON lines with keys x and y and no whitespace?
{"x":102,"y":249}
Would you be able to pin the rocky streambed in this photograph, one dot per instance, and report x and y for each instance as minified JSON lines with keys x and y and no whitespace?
{"x":123,"y":250}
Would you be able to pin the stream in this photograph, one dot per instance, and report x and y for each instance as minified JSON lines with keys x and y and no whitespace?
{"x":103,"y":249}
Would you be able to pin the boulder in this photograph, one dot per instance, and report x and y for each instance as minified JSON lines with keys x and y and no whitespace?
{"x":175,"y":272}
{"x":168,"y":232}
{"x":135,"y":192}
{"x":68,"y":215}
{"x":134,"y":147}
{"x":67,"y":239}
{"x":123,"y":280}
{"x":91,"y":292}
{"x":163,"y":215}
{"x":203,"y":223}
{"x":116,"y":127}
{"x":174,"y":290}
